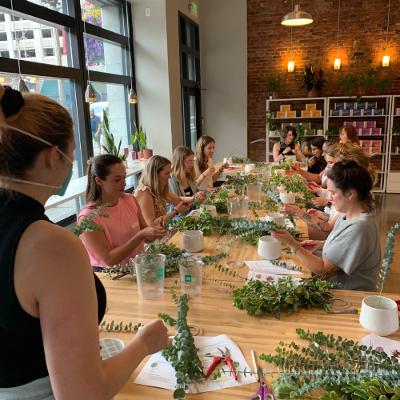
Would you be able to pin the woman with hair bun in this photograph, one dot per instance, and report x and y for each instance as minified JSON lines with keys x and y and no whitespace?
{"x":122,"y":228}
{"x":50,"y":301}
{"x":351,"y":254}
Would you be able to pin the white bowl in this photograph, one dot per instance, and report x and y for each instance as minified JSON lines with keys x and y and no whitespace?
{"x":379,"y":315}
{"x":269,"y":248}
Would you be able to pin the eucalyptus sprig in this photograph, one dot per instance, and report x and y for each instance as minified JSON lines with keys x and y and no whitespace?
{"x":86,"y":224}
{"x":388,"y":257}
{"x":125,"y":327}
{"x":284,"y":295}
{"x":182,"y":354}
{"x":219,"y":199}
{"x":334,"y":364}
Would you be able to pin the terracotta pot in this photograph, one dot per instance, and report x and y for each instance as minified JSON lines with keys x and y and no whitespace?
{"x":140,"y":155}
{"x":313,"y":93}
{"x":147,"y":153}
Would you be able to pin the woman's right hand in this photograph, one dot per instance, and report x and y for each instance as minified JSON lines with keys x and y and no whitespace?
{"x":291,"y":209}
{"x":314,"y":187}
{"x":151,"y":233}
{"x":153,"y":336}
{"x":287,"y":150}
{"x":209,"y":171}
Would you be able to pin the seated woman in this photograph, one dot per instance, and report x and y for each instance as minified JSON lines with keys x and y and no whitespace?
{"x":182,"y":181}
{"x":206,"y":173}
{"x":351,"y":254}
{"x":287,"y":147}
{"x":122,"y":228}
{"x":51,"y":302}
{"x":316,"y":163}
{"x":348,"y":134}
{"x":153,"y":195}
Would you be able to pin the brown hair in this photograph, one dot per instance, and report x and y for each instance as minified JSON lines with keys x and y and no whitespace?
{"x":181,"y":153}
{"x":38,"y":115}
{"x":351,"y":133}
{"x":99,"y":167}
{"x":201,"y":161}
{"x":149,"y":178}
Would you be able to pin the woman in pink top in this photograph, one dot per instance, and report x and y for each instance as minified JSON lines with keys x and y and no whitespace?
{"x":120,"y":229}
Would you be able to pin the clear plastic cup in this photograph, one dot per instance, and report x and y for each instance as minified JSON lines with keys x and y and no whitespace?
{"x":191,"y":273}
{"x":150,"y":273}
{"x":238,"y":207}
{"x":254,"y":192}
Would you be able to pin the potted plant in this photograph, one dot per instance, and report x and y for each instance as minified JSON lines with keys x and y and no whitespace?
{"x":313,"y":80}
{"x":109,"y":145}
{"x":348,"y":83}
{"x":274,"y":85}
{"x":365,"y":81}
{"x":139,"y":138}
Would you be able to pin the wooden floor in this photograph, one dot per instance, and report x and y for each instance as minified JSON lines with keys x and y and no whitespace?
{"x":388,"y":211}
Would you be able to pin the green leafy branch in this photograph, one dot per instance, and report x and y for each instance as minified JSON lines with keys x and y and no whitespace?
{"x":87,"y":224}
{"x":125,"y":327}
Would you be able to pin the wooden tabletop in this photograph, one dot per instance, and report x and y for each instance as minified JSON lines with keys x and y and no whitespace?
{"x":214,"y":313}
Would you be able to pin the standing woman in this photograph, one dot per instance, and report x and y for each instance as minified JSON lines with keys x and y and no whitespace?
{"x":182,"y":181}
{"x":206,"y":173}
{"x":153,"y":195}
{"x":287,"y":147}
{"x":122,"y":228}
{"x":50,"y":302}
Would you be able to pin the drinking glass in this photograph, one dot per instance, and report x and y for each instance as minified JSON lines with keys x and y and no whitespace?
{"x":191,"y":274}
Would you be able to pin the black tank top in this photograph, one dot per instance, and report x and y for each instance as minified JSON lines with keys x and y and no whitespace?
{"x":283,"y":148}
{"x":22,"y":357}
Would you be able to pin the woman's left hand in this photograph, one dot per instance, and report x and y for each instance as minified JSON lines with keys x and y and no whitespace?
{"x":200,"y":196}
{"x":319,"y":201}
{"x":284,"y":236}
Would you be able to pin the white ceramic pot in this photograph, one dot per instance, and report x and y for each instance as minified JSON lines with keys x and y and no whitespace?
{"x":379,"y":315}
{"x":287,"y":198}
{"x":210,"y":208}
{"x":277,"y":218}
{"x":249,"y":167}
{"x":193,"y":241}
{"x":290,"y":158}
{"x":269,"y":248}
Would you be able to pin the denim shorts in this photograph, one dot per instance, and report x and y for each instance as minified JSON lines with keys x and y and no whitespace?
{"x":40,"y":389}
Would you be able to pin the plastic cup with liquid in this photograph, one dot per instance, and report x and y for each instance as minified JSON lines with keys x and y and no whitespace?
{"x":191,"y":275}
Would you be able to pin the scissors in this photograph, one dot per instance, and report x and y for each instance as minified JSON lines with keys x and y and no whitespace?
{"x":263,"y":392}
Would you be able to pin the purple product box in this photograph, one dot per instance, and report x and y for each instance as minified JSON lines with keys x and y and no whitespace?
{"x":376,"y":131}
{"x":336,"y":113}
{"x":370,"y":124}
{"x":379,"y":111}
{"x":359,"y":124}
{"x":366,"y":131}
{"x":349,"y":123}
{"x":346,"y":113}
{"x":367,"y":112}
{"x":359,"y":131}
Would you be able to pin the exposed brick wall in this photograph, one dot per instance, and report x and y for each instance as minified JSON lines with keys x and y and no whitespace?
{"x":361,"y":43}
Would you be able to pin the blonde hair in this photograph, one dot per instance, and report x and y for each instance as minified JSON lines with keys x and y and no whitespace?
{"x":201,"y":160}
{"x":36,"y":114}
{"x":149,"y":178}
{"x":181,"y":153}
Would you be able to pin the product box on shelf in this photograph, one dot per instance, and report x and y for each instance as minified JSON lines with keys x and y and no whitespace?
{"x":376,"y":131}
{"x":356,"y":113}
{"x":316,"y":113}
{"x":285,"y":107}
{"x":379,"y":111}
{"x":397,"y":111}
{"x":366,"y":131}
{"x":358,"y":124}
{"x":353,"y":123}
{"x":370,"y":124}
{"x":376,"y":146}
{"x":291,"y":114}
{"x":336,"y":113}
{"x":306,"y":114}
{"x":281,"y":114}
{"x":346,"y":113}
{"x":311,"y":106}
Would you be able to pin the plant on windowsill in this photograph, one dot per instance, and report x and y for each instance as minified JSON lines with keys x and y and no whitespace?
{"x":110,"y":146}
{"x":313,"y":80}
{"x":139,"y":138}
{"x":274,"y":85}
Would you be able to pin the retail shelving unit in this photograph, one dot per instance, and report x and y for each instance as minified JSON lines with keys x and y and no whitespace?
{"x":393,"y":165}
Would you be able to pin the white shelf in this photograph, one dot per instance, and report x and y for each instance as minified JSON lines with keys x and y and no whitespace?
{"x":299,"y":117}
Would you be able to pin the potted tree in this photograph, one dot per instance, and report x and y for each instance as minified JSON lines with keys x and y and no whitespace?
{"x":274,"y":85}
{"x":313,"y":80}
{"x":110,"y":146}
{"x":139,"y":138}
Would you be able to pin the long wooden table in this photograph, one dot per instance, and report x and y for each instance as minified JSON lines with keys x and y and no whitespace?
{"x":213,"y":312}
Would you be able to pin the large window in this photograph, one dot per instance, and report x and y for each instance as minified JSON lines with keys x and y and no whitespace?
{"x":57,"y":46}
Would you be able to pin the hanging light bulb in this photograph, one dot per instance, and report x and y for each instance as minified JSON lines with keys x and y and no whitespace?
{"x":385,"y":61}
{"x":290,"y":66}
{"x":336,"y":64}
{"x":22,"y":86}
{"x":297,"y":17}
{"x":132,"y":97}
{"x":90,"y":93}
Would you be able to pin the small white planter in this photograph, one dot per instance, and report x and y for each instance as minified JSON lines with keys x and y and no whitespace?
{"x":249,"y":167}
{"x":287,"y":198}
{"x":379,"y":315}
{"x":277,"y":218}
{"x":269,"y":248}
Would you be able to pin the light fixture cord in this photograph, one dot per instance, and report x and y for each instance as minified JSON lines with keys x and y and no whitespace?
{"x":16,"y":39}
{"x":338,"y":26}
{"x":129,"y":42}
{"x":86,"y":49}
{"x":387,"y":23}
{"x":291,"y":37}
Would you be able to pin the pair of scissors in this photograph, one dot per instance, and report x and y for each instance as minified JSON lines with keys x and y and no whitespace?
{"x":263,"y":392}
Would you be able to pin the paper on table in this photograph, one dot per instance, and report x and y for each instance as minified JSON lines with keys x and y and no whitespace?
{"x":266,"y":267}
{"x":389,"y":346}
{"x":159,"y":373}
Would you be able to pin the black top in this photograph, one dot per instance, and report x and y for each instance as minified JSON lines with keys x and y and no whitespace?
{"x":283,"y":147}
{"x":319,"y":165}
{"x":22,"y":357}
{"x":188,"y":191}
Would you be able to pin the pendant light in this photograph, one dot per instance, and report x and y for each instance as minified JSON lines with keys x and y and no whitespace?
{"x":132,"y":96}
{"x":337,"y":62}
{"x":22,"y":86}
{"x":90,"y":92}
{"x":297,"y":17}
{"x":386,"y":57}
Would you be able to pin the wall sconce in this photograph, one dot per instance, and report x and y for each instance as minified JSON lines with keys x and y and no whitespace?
{"x":385,"y":61}
{"x":290,"y":66}
{"x":336,"y":64}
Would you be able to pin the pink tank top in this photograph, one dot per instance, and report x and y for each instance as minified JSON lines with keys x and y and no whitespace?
{"x":121,"y":224}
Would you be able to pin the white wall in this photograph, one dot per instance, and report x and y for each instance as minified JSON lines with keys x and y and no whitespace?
{"x":223,"y":42}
